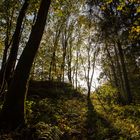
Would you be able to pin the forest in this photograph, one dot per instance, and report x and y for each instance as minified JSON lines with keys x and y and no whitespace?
{"x":69,"y":70}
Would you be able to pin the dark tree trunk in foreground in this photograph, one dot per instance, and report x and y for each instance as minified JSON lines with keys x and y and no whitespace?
{"x":15,"y":44}
{"x":8,"y":19}
{"x":4,"y":59}
{"x":8,"y":67}
{"x":128,"y":98}
{"x":13,"y":111}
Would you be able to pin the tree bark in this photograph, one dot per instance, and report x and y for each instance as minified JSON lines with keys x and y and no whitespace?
{"x":13,"y":111}
{"x":112,"y":68}
{"x":124,"y":74}
{"x":15,"y":43}
{"x":117,"y":75}
{"x":9,"y":65}
{"x":120,"y":77}
{"x":9,"y":20}
{"x":4,"y":59}
{"x":76,"y":68}
{"x":64,"y":51}
{"x":7,"y":43}
{"x":53,"y":57}
{"x":69,"y":61}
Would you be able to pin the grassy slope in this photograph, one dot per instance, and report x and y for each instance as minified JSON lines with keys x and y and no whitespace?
{"x":125,"y":119}
{"x":57,"y":111}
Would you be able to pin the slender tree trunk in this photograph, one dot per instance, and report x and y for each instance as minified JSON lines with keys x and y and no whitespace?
{"x":112,"y":68}
{"x":117,"y":82}
{"x":77,"y":57}
{"x":64,"y":45}
{"x":89,"y":57}
{"x":15,"y":44}
{"x":13,"y":111}
{"x":69,"y":62}
{"x":63,"y":65}
{"x":120,"y":78}
{"x":8,"y":40}
{"x":7,"y":44}
{"x":8,"y":66}
{"x":73,"y":76}
{"x":53,"y":58}
{"x":76,"y":69}
{"x":88,"y":69}
{"x":124,"y":74}
{"x":50,"y":66}
{"x":4,"y":59}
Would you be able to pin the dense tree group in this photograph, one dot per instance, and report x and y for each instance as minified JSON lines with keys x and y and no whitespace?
{"x":79,"y":37}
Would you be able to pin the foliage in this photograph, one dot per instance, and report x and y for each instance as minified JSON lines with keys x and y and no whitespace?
{"x":124,"y":118}
{"x":46,"y":131}
{"x":107,"y":93}
{"x":72,"y":116}
{"x":79,"y":36}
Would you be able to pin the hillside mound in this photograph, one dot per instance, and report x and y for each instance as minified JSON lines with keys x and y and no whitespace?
{"x":57,"y":111}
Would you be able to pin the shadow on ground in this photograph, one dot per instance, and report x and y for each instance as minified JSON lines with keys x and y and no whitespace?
{"x":97,"y":127}
{"x":93,"y":127}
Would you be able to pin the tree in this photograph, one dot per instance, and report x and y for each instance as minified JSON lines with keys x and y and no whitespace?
{"x":13,"y":110}
{"x":8,"y":11}
{"x":115,"y":21}
{"x":9,"y":65}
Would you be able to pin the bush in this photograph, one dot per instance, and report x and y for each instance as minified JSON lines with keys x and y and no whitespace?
{"x":108,"y":94}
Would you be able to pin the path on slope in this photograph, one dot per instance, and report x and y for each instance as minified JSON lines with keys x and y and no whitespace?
{"x":58,"y":106}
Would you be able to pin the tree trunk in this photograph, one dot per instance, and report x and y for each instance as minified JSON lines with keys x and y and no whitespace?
{"x":15,"y":44}
{"x":76,"y":68}
{"x":69,"y":62}
{"x":8,"y":40}
{"x":2,"y":71}
{"x":121,"y":94}
{"x":13,"y":111}
{"x":8,"y":67}
{"x":64,"y":51}
{"x":117,"y":75}
{"x":53,"y":57}
{"x":7,"y":43}
{"x":4,"y":59}
{"x":124,"y":74}
{"x":112,"y":68}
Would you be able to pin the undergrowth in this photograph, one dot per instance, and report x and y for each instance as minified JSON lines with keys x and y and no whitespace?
{"x":68,"y":115}
{"x":125,"y":119}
